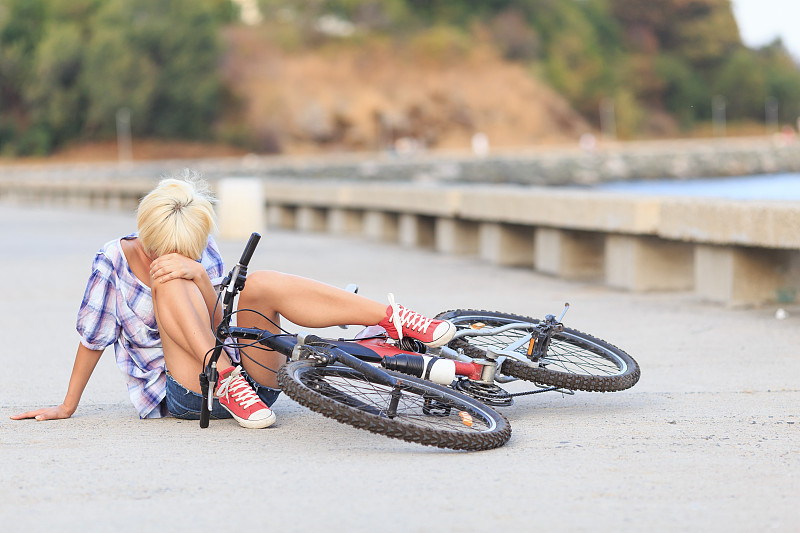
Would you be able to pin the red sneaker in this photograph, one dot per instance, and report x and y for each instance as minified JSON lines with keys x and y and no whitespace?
{"x":400,"y":322}
{"x":239,"y":399}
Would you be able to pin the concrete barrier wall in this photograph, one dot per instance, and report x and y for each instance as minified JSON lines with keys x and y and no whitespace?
{"x":730,"y":252}
{"x":103,"y":193}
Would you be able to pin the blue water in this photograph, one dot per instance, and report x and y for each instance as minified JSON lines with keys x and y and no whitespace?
{"x":766,"y":187}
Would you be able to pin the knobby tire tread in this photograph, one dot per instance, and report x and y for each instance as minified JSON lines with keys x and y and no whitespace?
{"x":545,"y":376}
{"x":393,"y":428}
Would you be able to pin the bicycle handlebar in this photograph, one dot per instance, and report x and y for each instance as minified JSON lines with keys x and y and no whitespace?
{"x":249,"y":249}
{"x":231,"y":285}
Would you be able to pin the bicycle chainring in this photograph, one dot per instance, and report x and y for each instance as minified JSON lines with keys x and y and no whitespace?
{"x":490,"y":394}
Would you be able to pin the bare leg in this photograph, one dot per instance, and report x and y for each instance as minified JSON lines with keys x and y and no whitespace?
{"x":185,"y":328}
{"x":300,"y":300}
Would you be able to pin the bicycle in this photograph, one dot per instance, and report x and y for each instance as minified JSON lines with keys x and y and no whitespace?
{"x":441,"y":398}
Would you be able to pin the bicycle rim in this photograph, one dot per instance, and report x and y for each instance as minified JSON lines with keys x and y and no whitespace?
{"x":425,"y":413}
{"x":574,"y":360}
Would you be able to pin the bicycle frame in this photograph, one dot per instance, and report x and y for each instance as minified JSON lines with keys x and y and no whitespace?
{"x":309,"y":346}
{"x":537,"y":341}
{"x":359,"y":353}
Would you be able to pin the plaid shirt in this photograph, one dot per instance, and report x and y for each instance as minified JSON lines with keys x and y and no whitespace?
{"x":117,"y":308}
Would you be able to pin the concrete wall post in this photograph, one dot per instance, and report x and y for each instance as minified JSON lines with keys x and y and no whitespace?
{"x":345,"y":221}
{"x":506,"y":244}
{"x":311,"y":218}
{"x":281,"y":216}
{"x":648,"y":263}
{"x":240,"y":208}
{"x":742,"y":276}
{"x":381,"y":226}
{"x":569,"y":254}
{"x":455,"y":236}
{"x":417,"y":230}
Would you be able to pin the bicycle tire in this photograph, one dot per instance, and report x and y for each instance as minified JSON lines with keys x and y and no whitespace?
{"x":574,"y":361}
{"x":347,"y":396}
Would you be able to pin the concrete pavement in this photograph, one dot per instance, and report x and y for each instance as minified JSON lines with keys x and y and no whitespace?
{"x":708,"y":440}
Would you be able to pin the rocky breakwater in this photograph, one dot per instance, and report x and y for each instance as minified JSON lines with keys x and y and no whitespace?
{"x":544,"y":165}
{"x":594,"y":163}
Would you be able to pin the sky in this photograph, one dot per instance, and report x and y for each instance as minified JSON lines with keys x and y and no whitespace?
{"x":760,"y":21}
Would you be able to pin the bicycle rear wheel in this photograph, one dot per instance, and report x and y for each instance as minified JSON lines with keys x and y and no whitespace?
{"x":426,"y":413}
{"x":574,"y":360}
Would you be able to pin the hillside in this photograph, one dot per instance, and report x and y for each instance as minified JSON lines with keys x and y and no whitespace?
{"x":370,"y":97}
{"x":357,"y":98}
{"x":360,"y":75}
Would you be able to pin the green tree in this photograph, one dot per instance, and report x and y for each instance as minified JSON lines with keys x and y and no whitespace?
{"x":21,"y":29}
{"x":55,"y":96}
{"x":685,"y":93}
{"x":461,"y":12}
{"x":67,"y":67}
{"x":160,"y":60}
{"x":742,"y":82}
{"x":705,"y":33}
{"x":582,"y":54}
{"x":783,"y":80}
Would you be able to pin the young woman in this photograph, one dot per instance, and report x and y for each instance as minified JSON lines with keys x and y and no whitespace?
{"x":152,"y":295}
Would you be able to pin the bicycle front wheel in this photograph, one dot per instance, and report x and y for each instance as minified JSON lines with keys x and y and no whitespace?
{"x":416,"y":411}
{"x":574,"y":360}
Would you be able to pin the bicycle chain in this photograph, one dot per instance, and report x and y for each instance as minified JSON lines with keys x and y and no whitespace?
{"x":538,"y":391}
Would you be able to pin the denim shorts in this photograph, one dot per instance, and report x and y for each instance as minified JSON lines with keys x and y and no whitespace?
{"x":186,"y":404}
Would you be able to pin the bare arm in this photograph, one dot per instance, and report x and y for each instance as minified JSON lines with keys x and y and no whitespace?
{"x":175,"y":266}
{"x":85,"y":362}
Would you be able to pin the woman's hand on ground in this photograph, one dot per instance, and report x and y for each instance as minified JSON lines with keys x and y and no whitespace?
{"x":174,"y":266}
{"x":47,"y":413}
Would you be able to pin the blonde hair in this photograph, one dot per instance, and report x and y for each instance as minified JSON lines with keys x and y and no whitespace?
{"x":177,"y":217}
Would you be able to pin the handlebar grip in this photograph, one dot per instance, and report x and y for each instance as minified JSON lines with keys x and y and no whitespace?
{"x":205,"y":414}
{"x":249,"y":249}
{"x":309,"y":339}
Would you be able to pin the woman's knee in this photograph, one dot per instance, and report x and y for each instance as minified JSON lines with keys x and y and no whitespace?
{"x":177,"y":298}
{"x":172,"y":288}
{"x":263,"y":284}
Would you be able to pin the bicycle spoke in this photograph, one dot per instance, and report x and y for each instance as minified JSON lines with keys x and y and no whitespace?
{"x":421,"y":409}
{"x":565,"y":354}
{"x":573,"y":360}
